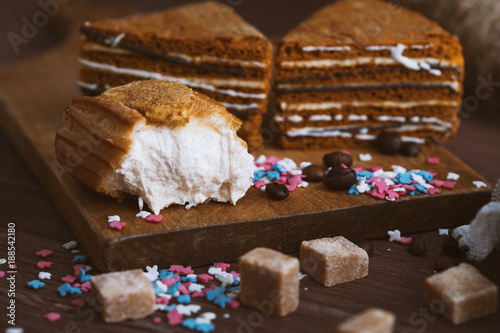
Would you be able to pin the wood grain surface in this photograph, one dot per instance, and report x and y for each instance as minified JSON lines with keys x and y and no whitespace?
{"x":395,"y":281}
{"x":31,"y":120}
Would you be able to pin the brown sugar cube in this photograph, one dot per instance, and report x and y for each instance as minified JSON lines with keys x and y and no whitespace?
{"x":369,"y":321}
{"x":123,"y":295}
{"x":269,"y":281}
{"x":331,"y":261}
{"x":461,"y":293}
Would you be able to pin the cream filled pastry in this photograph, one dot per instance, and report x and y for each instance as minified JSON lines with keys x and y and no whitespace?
{"x":157,"y":140}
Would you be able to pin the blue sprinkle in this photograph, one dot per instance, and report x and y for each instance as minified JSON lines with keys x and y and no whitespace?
{"x":80,"y":259}
{"x":212,"y":294}
{"x":158,"y":290}
{"x":184,"y":299}
{"x":367,"y":174}
{"x":189,"y":323}
{"x":169,"y":308}
{"x":273,"y":175}
{"x":403,"y":178}
{"x":36,"y":284}
{"x":166,"y":274}
{"x":83,"y":277}
{"x":185,"y":279}
{"x":257,"y":175}
{"x":413,"y":192}
{"x":234,"y":289}
{"x":173,"y":288}
{"x":420,"y":188}
{"x":235,"y":282}
{"x":278,"y":167}
{"x":205,"y":328}
{"x":221,"y":300}
{"x":425,"y":175}
{"x":66,"y":289}
{"x":353,"y":190}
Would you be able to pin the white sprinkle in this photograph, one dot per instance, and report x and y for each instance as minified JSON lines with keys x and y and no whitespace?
{"x":44,"y":275}
{"x":398,"y":189}
{"x":388,"y":181}
{"x":70,"y":245}
{"x":160,"y":307}
{"x":14,"y":330}
{"x":301,"y":275}
{"x":195,"y":287}
{"x":389,"y":199}
{"x":87,"y":268}
{"x":226,"y":315}
{"x":303,"y":184}
{"x":453,"y":176}
{"x":165,"y":295}
{"x":479,"y":184}
{"x":113,"y":218}
{"x":306,"y":289}
{"x":193,"y":276}
{"x":152,"y":273}
{"x":365,"y":157}
{"x":288,"y":164}
{"x":361,"y":186}
{"x":162,"y":286}
{"x":296,"y":172}
{"x":397,"y":169}
{"x":304,"y":165}
{"x":143,"y":214}
{"x":378,"y":173}
{"x":263,"y":188}
{"x":189,"y":309}
{"x":202,"y":320}
{"x":75,"y":251}
{"x":141,"y":203}
{"x":443,"y":231}
{"x":394,"y":235}
{"x":209,"y":315}
{"x":3,"y":261}
{"x":388,"y":249}
{"x":260,"y":159}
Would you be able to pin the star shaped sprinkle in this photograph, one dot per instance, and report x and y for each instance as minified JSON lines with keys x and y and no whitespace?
{"x":44,"y":253}
{"x":394,"y":235}
{"x":44,"y":275}
{"x":452,"y":176}
{"x":113,"y":218}
{"x":152,"y":273}
{"x":117,"y":225}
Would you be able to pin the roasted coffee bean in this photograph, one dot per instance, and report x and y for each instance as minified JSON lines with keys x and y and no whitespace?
{"x":389,"y":143}
{"x":340,"y":178}
{"x":314,"y":173}
{"x":410,"y":149}
{"x":450,"y":247}
{"x":367,"y":246}
{"x":337,"y":158}
{"x":277,"y":191}
{"x":444,"y":262}
{"x":417,"y":247}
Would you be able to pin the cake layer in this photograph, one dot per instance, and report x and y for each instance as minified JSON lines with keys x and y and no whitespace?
{"x":180,"y":64}
{"x":204,"y":29}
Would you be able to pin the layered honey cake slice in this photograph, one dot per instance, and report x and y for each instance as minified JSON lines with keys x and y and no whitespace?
{"x":357,"y":68}
{"x":157,"y":140}
{"x":206,"y":46}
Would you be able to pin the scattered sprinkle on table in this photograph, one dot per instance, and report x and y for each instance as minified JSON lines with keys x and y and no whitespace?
{"x":365,"y":157}
{"x":52,"y":316}
{"x":154,"y":218}
{"x":433,"y":160}
{"x":443,"y":232}
{"x":44,"y":264}
{"x":44,"y":275}
{"x":117,"y":225}
{"x":70,"y":245}
{"x":44,"y":253}
{"x":36,"y":284}
{"x":479,"y":184}
{"x":452,"y":176}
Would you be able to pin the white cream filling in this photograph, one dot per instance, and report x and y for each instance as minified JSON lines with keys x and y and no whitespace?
{"x":359,"y":61}
{"x":386,"y":104}
{"x":185,"y":165}
{"x":355,"y":117}
{"x":325,"y":48}
{"x":201,"y":83}
{"x":89,"y":86}
{"x":240,"y":106}
{"x":454,"y":85}
{"x":391,"y":118}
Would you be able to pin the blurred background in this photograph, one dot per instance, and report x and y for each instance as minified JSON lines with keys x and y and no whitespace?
{"x":476,"y":22}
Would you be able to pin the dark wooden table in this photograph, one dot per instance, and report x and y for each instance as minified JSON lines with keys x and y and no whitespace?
{"x":395,"y":281}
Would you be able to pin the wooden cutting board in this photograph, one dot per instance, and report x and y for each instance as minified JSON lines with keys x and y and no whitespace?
{"x":33,"y":95}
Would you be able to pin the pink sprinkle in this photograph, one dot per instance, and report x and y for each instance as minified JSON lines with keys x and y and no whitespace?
{"x":295,"y":180}
{"x":291,"y":187}
{"x":381,"y":186}
{"x":222,"y":266}
{"x":392,"y":195}
{"x":358,"y":169}
{"x":2,"y":274}
{"x":377,"y":195}
{"x":154,"y":218}
{"x":432,"y":173}
{"x":69,"y":279}
{"x":171,"y":281}
{"x":272,"y":160}
{"x":235,"y":274}
{"x":79,"y":302}
{"x":212,"y":287}
{"x":343,"y":165}
{"x":117,"y":225}
{"x":409,"y":188}
{"x":198,"y":294}
{"x":268,"y":167}
{"x":187,"y":270}
{"x":234,"y":304}
{"x":77,"y":285}
{"x":76,"y":268}
{"x":52,"y":316}
{"x":375,"y":168}
{"x":436,"y":182}
{"x":86,"y":286}
{"x":44,"y":253}
{"x":372,"y":180}
{"x":174,"y":317}
{"x":345,"y":152}
{"x":260,"y":164}
{"x":176,"y":268}
{"x":258,"y":184}
{"x":183,"y":290}
{"x":44,"y":264}
{"x":157,"y":320}
{"x":433,"y":160}
{"x":204,"y":278}
{"x":449,"y":184}
{"x":433,"y":190}
{"x":404,"y":240}
{"x":283,"y":180}
{"x":162,"y":300}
